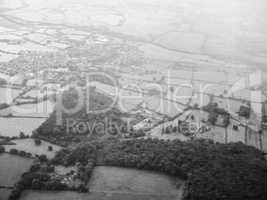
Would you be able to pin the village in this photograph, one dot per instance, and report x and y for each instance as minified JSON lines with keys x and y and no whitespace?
{"x":171,"y":109}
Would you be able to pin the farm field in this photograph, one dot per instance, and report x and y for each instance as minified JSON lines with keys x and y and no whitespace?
{"x":29,"y":146}
{"x":7,"y":95}
{"x":11,"y":168}
{"x":11,"y":127}
{"x":4,"y":193}
{"x":46,"y":195}
{"x":113,"y":183}
{"x":41,"y":109}
{"x":132,"y":181}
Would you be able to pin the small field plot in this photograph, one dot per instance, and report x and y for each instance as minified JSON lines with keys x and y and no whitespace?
{"x":29,"y":146}
{"x":132,"y":181}
{"x":10,"y":126}
{"x":4,"y":193}
{"x":8,"y":94}
{"x":62,"y":170}
{"x":12,"y":167}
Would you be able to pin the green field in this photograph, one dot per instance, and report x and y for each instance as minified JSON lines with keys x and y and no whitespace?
{"x":4,"y":193}
{"x":47,"y":195}
{"x":12,"y":167}
{"x":113,"y":183}
{"x":133,"y":181}
{"x":29,"y":146}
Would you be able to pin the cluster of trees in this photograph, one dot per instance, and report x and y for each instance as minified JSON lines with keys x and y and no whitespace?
{"x":42,"y":176}
{"x":33,"y":179}
{"x":60,"y":139}
{"x":20,"y":153}
{"x":213,"y":171}
{"x":8,"y":140}
{"x":22,"y":135}
{"x":169,"y":129}
{"x":84,"y":156}
{"x":82,"y":153}
{"x":37,"y":181}
{"x":3,"y":81}
{"x":98,"y":124}
{"x":214,"y":112}
{"x":85,"y":171}
{"x":41,"y":158}
{"x":228,"y":179}
{"x":50,"y":148}
{"x":37,"y":142}
{"x":244,"y":111}
{"x":3,"y":106}
{"x":2,"y":149}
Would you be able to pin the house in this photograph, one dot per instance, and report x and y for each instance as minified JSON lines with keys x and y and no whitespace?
{"x":18,"y":79}
{"x":34,"y":82}
{"x":145,"y":124}
{"x":193,"y":121}
{"x":50,"y":87}
{"x":189,"y":122}
{"x":244,"y":111}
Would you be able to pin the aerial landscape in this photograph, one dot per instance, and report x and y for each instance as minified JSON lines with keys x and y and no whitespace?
{"x":133,"y":99}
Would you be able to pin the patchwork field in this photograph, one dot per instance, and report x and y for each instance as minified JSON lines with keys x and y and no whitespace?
{"x":132,"y":181}
{"x":113,"y":183}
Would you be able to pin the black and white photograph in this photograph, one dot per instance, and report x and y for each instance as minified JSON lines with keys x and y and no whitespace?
{"x":133,"y":100}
